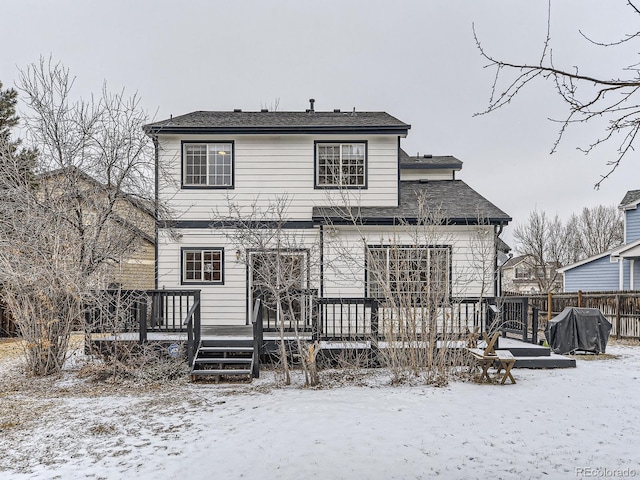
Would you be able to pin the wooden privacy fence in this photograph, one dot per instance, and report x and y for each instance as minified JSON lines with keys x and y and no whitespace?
{"x":622,"y":308}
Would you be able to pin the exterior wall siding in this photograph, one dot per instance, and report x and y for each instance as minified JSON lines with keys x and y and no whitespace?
{"x":632,"y":225}
{"x":226,"y":303}
{"x":344,"y":270}
{"x":137,"y":271}
{"x":598,"y":275}
{"x":270,"y":167}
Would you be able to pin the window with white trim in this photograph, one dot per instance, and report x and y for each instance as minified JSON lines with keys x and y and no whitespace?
{"x":341,"y":164}
{"x":208,"y":164}
{"x":202,"y":266}
{"x":415,"y":273}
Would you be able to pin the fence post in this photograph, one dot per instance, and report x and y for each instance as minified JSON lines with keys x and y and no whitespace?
{"x":549,"y":306}
{"x":579,"y":298}
{"x":618,"y":316}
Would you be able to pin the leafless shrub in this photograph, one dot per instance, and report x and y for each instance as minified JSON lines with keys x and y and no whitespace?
{"x":62,"y":232}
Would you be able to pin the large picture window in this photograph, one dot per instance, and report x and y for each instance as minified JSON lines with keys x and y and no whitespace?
{"x":203,"y":266}
{"x":416,"y":274}
{"x":208,"y":165}
{"x":341,"y":165}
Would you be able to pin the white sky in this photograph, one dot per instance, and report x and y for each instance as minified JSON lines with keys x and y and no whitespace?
{"x":415,"y":59}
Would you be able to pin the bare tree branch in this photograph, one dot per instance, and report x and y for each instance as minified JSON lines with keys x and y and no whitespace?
{"x":587,"y":97}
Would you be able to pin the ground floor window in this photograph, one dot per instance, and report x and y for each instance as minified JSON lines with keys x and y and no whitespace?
{"x":417,"y":274}
{"x":202,"y":265}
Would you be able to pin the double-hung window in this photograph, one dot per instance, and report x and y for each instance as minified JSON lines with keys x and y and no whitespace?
{"x":341,"y":165}
{"x":207,"y":165}
{"x":203,"y":265}
{"x":413,"y":274}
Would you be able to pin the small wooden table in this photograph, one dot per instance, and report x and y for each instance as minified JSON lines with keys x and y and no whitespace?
{"x":489,"y":356}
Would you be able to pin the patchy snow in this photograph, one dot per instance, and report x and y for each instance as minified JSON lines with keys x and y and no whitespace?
{"x":551,"y":424}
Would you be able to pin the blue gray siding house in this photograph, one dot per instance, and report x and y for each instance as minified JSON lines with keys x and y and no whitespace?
{"x":617,"y":269}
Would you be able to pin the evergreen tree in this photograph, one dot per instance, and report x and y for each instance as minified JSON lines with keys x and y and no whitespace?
{"x":11,"y":154}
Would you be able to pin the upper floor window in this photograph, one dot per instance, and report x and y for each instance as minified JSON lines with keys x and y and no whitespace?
{"x":341,"y":165}
{"x":202,"y":265}
{"x":208,"y":165}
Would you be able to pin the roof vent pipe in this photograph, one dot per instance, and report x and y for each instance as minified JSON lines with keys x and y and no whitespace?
{"x":311,"y":102}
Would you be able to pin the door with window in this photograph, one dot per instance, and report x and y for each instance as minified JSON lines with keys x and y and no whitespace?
{"x":278,"y":278}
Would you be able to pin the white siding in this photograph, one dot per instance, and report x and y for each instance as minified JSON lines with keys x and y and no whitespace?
{"x":472,"y":256}
{"x":268,"y":167}
{"x":344,"y":271}
{"x":222,"y":304}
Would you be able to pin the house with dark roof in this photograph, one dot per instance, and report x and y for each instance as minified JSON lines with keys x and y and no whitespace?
{"x":616,"y":269}
{"x":522,"y":274}
{"x":360,"y":216}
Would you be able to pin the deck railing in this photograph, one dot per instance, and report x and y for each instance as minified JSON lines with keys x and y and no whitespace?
{"x":516,"y":316}
{"x":144,"y":311}
{"x":370,"y":318}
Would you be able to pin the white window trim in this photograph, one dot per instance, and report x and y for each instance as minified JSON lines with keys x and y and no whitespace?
{"x":207,"y":185}
{"x":341,"y":183}
{"x":201,"y":280}
{"x":389,"y":248}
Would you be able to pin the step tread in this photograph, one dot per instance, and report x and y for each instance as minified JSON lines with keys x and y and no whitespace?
{"x":554,"y":361}
{"x":225,"y":349}
{"x":230,"y":371}
{"x":223,"y":360}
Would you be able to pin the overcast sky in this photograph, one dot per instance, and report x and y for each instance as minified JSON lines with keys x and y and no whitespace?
{"x":416,"y":60}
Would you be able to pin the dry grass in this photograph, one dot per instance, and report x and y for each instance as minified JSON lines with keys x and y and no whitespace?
{"x":10,"y":348}
{"x":592,"y":356}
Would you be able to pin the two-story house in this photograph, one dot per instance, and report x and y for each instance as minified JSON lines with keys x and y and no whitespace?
{"x":616,"y":269}
{"x":350,"y":202}
{"x":521,"y":275}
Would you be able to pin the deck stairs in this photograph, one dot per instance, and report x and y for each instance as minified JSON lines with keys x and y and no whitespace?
{"x":223,"y":359}
{"x":534,"y":356}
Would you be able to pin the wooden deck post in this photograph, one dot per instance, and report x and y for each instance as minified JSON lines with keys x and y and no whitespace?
{"x":549,"y":306}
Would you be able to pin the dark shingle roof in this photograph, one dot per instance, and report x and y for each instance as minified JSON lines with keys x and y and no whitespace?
{"x":631,"y":197}
{"x":453,"y":200}
{"x":514,"y":261}
{"x":226,"y":122}
{"x":429,"y":161}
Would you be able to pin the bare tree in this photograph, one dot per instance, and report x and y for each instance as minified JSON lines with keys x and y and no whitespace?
{"x":594,"y":231}
{"x":544,"y":241}
{"x":418,"y":286}
{"x":61,"y":237}
{"x":588,"y":98}
{"x":282,"y":264}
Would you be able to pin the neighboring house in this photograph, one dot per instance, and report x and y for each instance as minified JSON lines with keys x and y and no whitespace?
{"x":616,"y":269}
{"x":519,"y":275}
{"x":131,"y":216}
{"x":346,"y":181}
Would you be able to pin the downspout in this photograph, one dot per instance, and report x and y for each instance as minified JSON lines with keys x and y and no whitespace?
{"x":497,"y":281}
{"x":321,"y":293}
{"x":156,"y":209}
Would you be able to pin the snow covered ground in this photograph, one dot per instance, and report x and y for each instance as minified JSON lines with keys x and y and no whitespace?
{"x":552,"y":424}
